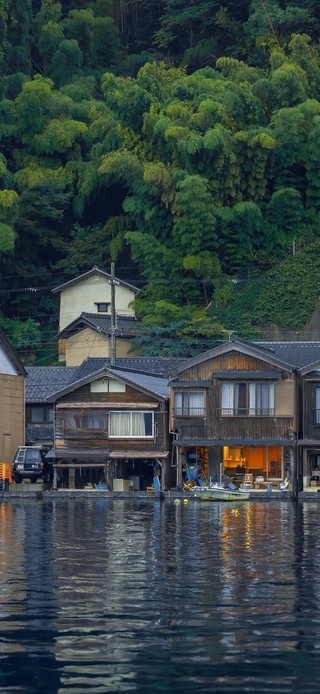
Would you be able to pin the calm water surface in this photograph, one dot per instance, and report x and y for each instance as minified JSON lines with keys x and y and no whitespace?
{"x":151,"y":597}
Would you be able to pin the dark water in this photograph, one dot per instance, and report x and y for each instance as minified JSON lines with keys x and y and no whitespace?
{"x":151,"y":597}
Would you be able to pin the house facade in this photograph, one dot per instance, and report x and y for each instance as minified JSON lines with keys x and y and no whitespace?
{"x":85,"y":316}
{"x":112,"y":427}
{"x":12,"y":407}
{"x":90,"y":336}
{"x":309,"y":440}
{"x":233,"y":413}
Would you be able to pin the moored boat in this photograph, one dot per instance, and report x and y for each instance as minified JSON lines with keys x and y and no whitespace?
{"x":219,"y":493}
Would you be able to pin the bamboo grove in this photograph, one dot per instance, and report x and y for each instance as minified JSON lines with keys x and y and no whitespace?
{"x":180,"y":139}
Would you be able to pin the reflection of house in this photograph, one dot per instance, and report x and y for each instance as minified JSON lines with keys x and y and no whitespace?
{"x":12,"y":375}
{"x":112,"y":423}
{"x":234,"y":413}
{"x":85,"y":316}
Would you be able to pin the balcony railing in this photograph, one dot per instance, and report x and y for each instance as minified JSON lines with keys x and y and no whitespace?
{"x":246,"y":412}
{"x":190,"y":412}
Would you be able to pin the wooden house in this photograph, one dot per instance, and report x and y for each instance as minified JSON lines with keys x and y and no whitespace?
{"x":112,"y":426}
{"x":85,"y":316}
{"x":40,"y":383}
{"x":309,"y":440}
{"x":234,"y":414}
{"x":12,"y":406}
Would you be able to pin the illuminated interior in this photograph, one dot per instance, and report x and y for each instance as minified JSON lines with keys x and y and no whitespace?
{"x":259,"y":461}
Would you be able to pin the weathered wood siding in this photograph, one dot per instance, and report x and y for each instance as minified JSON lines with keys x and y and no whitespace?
{"x":215,"y":426}
{"x":105,"y":402}
{"x":233,"y":361}
{"x":310,"y":429}
{"x":11,"y":415}
{"x":235,"y":428}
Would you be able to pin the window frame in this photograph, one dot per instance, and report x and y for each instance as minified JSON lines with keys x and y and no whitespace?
{"x":48,"y":413}
{"x":103,"y":303}
{"x":184,"y":410}
{"x":316,"y":409}
{"x":130,"y":435}
{"x":246,"y":399}
{"x":81,"y":413}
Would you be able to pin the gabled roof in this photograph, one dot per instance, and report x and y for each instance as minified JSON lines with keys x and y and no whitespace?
{"x":153,"y":384}
{"x":311,"y":368}
{"x":298,"y":354}
{"x":127,"y":326}
{"x":11,"y":354}
{"x":158,"y":366}
{"x":262,"y":352}
{"x":94,"y":271}
{"x":146,"y":383}
{"x":41,"y":381}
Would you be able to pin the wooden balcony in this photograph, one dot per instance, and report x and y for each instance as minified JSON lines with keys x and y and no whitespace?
{"x":234,"y":427}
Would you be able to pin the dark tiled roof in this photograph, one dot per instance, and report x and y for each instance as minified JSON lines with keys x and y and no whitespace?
{"x":298,"y":354}
{"x":38,"y":432}
{"x":160,"y":366}
{"x":153,"y":384}
{"x":41,"y":381}
{"x":127,"y":326}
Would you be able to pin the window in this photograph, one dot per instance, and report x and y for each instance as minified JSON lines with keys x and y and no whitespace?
{"x":107,"y":385}
{"x":131,"y":424}
{"x":189,"y":403}
{"x":41,"y":415}
{"x":247,"y":399}
{"x":317,"y":406}
{"x":102,"y":307}
{"x":85,"y":421}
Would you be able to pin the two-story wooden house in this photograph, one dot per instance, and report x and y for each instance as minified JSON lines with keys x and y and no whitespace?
{"x":111,"y":424}
{"x":309,"y":441}
{"x":12,"y":419}
{"x":234,"y":413}
{"x":85,"y":316}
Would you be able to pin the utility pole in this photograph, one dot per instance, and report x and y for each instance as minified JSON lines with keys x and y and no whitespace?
{"x":113,"y":283}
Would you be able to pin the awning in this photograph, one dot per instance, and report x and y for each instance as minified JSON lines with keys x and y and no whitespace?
{"x":92,"y":456}
{"x":138,"y":454}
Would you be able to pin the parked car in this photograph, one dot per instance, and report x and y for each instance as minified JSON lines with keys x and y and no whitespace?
{"x":30,"y":463}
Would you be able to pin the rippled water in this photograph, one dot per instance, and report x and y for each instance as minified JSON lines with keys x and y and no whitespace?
{"x":147,"y":596}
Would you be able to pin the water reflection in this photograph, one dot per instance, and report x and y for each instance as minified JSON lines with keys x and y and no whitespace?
{"x":145,"y":596}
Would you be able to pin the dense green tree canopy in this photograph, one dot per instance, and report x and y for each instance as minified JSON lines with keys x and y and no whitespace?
{"x":178,"y":138}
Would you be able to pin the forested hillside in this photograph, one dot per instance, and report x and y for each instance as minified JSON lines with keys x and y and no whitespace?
{"x":179,"y":138}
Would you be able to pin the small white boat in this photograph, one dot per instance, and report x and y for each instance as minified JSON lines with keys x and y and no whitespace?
{"x":217,"y":492}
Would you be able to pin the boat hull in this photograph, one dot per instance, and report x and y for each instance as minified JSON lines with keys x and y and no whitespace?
{"x":220,"y":494}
